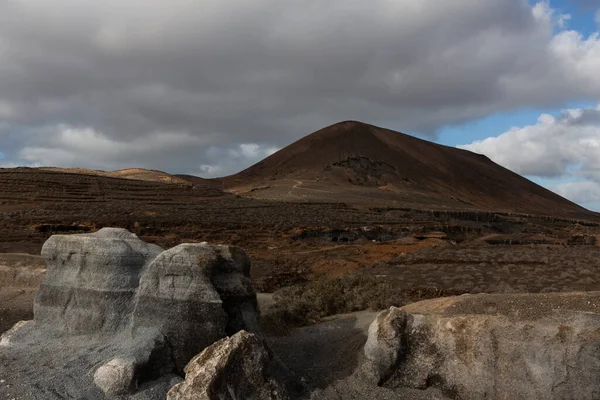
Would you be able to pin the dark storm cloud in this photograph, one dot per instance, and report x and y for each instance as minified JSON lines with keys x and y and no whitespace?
{"x":210,"y":86}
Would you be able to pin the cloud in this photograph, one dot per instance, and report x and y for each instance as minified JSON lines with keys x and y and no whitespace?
{"x":563,"y":147}
{"x":155,"y":81}
{"x":243,"y":154}
{"x":554,"y":147}
{"x":167,"y":151}
{"x":579,"y":192}
{"x":170,"y":151}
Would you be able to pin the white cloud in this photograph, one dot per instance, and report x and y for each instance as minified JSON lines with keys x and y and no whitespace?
{"x":563,"y":147}
{"x":583,"y":192}
{"x":227,"y":161}
{"x":5,"y":164}
{"x":157,"y":84}
{"x":253,"y":150}
{"x":73,"y":147}
{"x":543,"y":12}
{"x":168,"y":151}
{"x":13,"y":165}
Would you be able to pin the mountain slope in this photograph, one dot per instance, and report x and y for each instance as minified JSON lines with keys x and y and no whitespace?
{"x":359,"y":163}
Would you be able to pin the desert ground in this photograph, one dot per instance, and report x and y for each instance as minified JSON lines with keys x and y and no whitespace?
{"x":423,"y":252}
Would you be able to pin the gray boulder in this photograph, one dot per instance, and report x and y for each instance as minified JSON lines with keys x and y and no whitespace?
{"x":116,"y":377}
{"x":196,"y":294}
{"x":18,"y":329}
{"x":516,"y":346}
{"x":384,"y":341}
{"x":91,"y":281}
{"x":126,"y":311}
{"x":232,"y":368}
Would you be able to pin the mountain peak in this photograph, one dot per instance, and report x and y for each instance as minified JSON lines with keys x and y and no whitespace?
{"x":355,"y":162}
{"x":351,"y":124}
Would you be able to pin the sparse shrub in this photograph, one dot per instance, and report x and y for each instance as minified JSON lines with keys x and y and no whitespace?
{"x":306,"y":304}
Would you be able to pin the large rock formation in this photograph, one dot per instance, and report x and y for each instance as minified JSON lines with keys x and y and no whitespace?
{"x":195,"y":295}
{"x":518,"y":346}
{"x":91,"y":280}
{"x":128,"y":312}
{"x":233,"y":368}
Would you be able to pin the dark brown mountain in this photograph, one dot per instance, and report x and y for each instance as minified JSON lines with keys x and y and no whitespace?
{"x":359,"y":163}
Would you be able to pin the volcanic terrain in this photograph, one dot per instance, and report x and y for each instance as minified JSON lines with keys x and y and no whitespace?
{"x":353,"y":162}
{"x":350,"y":198}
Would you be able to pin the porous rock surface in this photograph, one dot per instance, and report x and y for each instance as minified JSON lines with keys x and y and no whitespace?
{"x":91,"y":281}
{"x":384,"y":341}
{"x":232,"y":368}
{"x":199,"y":289}
{"x":116,"y":316}
{"x":517,"y":346}
{"x":116,"y":377}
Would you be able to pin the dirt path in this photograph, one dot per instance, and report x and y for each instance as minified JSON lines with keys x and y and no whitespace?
{"x":298,"y":183}
{"x":318,"y":250}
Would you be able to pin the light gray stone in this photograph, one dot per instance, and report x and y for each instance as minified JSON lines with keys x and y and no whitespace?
{"x":91,"y":280}
{"x":13,"y":333}
{"x":510,"y":346}
{"x":232,"y":368}
{"x":116,"y":377}
{"x":384,"y":341}
{"x":196,"y":294}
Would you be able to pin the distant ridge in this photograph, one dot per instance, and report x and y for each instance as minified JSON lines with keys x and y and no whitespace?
{"x":354,"y":162}
{"x":138,"y":174}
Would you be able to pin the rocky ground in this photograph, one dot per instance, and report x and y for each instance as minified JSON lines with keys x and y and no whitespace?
{"x":116,"y":316}
{"x":517,"y":346}
{"x":289,"y":244}
{"x":328,"y":354}
{"x":325,"y":352}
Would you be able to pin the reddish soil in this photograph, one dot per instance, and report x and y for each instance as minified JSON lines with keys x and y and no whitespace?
{"x":288,"y":241}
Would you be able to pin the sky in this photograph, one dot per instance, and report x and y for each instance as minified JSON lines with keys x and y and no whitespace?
{"x":208,"y":87}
